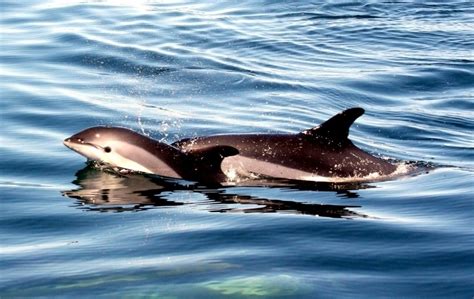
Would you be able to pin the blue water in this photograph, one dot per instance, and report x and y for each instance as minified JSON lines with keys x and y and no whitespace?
{"x":181,"y":69}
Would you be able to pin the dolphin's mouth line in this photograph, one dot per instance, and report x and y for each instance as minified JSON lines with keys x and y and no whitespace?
{"x":76,"y":147}
{"x":68,"y":143}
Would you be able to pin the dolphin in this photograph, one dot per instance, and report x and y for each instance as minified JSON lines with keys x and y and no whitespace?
{"x":126,"y":149}
{"x":323,"y":153}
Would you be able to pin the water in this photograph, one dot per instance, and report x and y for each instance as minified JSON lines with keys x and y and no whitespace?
{"x":177,"y":69}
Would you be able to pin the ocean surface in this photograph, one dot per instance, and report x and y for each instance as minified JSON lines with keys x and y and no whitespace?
{"x":177,"y":69}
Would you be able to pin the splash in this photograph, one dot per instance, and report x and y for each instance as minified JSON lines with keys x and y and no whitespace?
{"x":236,"y":177}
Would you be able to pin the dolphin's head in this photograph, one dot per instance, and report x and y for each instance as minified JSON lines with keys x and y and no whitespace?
{"x":123,"y":148}
{"x":112,"y":145}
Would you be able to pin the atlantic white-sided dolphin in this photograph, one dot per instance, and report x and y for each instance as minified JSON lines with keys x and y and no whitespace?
{"x":123,"y":148}
{"x":323,"y":153}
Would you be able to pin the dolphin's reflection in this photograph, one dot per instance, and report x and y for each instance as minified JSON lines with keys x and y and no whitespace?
{"x":105,"y":191}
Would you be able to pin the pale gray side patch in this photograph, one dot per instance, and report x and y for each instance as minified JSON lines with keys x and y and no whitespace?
{"x":244,"y":166}
{"x":135,"y":158}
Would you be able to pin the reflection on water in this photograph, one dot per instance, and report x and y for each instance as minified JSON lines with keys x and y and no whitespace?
{"x":112,"y":191}
{"x":105,"y":191}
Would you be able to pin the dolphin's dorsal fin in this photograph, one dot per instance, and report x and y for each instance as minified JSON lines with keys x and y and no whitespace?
{"x":210,"y":158}
{"x":206,"y":162}
{"x":337,"y":127}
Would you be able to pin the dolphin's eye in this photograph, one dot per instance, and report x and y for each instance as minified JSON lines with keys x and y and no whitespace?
{"x":107,"y":149}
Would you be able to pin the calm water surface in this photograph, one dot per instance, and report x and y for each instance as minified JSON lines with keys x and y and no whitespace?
{"x":179,"y":69}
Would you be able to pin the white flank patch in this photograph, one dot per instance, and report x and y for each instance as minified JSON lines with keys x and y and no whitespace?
{"x":239,"y":168}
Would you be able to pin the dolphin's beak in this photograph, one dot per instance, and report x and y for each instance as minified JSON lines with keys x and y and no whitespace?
{"x":67,"y":142}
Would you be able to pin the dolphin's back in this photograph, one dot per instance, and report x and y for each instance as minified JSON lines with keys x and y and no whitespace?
{"x":323,"y":151}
